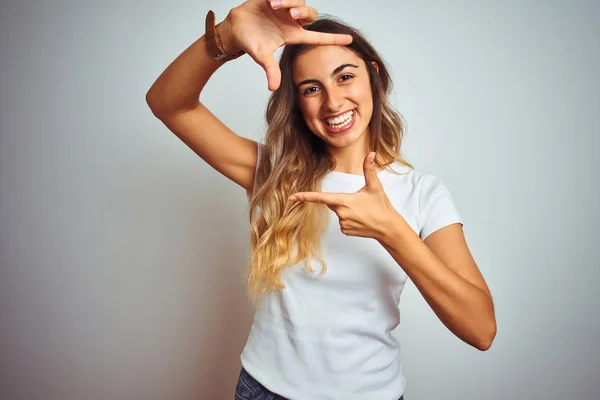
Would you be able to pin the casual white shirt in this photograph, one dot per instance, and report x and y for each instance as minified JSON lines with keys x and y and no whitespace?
{"x":330,"y":338}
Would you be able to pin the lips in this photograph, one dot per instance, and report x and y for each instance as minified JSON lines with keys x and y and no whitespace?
{"x":342,"y":127}
{"x":332,"y":117}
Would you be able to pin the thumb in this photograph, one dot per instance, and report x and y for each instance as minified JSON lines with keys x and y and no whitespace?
{"x":371,"y":179}
{"x":269,"y":64}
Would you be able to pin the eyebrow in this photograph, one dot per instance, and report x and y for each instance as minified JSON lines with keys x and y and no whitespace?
{"x":335,"y":71}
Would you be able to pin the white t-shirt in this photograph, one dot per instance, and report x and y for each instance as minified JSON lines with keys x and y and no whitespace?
{"x":330,"y":338}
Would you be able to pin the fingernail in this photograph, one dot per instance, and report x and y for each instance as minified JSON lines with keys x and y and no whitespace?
{"x":275,"y":3}
{"x":293,"y":198}
{"x":295,"y":13}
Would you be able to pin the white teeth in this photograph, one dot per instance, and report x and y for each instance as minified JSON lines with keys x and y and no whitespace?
{"x":341,"y":120}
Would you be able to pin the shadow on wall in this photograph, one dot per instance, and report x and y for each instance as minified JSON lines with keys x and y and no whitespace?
{"x":219,"y":313}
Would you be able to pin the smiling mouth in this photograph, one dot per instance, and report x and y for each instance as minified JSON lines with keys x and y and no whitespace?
{"x":341,"y":123}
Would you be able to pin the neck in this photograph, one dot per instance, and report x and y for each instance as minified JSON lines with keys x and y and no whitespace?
{"x":350,"y":159}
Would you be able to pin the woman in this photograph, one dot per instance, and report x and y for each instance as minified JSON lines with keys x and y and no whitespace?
{"x":326,"y":293}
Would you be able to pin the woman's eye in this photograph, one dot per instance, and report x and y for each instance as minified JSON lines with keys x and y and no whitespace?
{"x":310,"y":90}
{"x":346,"y":77}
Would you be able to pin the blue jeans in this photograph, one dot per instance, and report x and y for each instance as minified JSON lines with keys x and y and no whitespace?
{"x":249,"y":388}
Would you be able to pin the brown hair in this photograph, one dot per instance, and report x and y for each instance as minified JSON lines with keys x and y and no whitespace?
{"x":284,"y":233}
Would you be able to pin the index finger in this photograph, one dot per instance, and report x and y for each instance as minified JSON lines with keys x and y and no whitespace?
{"x":321,"y":38}
{"x":331,"y":199}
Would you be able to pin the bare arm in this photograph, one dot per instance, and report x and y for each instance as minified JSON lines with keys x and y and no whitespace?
{"x":445,"y":273}
{"x":258,"y":28}
{"x":441,"y":266}
{"x":174,"y":99}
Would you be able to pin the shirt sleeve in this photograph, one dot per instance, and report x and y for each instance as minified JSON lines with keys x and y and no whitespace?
{"x":437,"y":208}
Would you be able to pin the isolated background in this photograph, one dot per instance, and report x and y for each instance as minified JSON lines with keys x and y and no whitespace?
{"x":122,"y":253}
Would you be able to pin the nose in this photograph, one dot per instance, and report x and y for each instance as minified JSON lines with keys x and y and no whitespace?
{"x":334,"y":100}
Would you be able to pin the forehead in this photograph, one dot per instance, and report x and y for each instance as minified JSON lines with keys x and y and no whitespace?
{"x":320,"y":61}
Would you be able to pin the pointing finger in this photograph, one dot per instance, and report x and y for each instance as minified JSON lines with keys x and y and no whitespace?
{"x":330,"y":199}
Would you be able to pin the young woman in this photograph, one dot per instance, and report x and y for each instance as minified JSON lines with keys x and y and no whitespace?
{"x":339,"y":220}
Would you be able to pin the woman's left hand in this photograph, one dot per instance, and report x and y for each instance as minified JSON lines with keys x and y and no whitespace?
{"x":366,"y":213}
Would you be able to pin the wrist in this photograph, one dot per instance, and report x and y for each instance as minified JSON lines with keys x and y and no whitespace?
{"x":214,"y":41}
{"x":227,"y":39}
{"x":395,"y":228}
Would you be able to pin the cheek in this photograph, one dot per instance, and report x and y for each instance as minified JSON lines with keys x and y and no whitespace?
{"x":366,"y":93}
{"x":367,"y":100}
{"x":310,"y":112}
{"x":312,"y":108}
{"x":361,"y":95}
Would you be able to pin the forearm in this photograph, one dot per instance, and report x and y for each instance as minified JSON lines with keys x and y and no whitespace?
{"x":463,"y":308}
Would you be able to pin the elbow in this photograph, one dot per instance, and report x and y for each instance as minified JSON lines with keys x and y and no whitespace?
{"x":155,"y":100}
{"x":165,"y":109}
{"x":486,"y":338}
{"x":153,"y":104}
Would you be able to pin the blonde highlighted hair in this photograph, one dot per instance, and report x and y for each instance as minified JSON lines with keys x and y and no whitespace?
{"x":285,"y":233}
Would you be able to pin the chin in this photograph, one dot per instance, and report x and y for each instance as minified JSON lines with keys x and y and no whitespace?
{"x":341,"y":141}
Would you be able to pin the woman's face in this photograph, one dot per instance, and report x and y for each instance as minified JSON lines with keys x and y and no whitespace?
{"x":334,"y":94}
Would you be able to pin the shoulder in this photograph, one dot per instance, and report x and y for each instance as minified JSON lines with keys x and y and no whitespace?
{"x":425,"y":190}
{"x":429,"y":198}
{"x":398,"y":174}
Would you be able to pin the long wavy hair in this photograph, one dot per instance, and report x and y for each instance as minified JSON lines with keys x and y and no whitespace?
{"x":285,"y":233}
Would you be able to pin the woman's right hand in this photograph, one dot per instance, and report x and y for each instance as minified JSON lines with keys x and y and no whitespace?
{"x":259,"y":27}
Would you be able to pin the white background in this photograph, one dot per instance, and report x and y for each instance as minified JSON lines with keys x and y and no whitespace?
{"x":122,"y":252}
